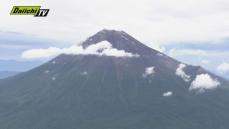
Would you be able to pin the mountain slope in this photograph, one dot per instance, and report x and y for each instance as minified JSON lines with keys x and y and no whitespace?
{"x":100,"y":92}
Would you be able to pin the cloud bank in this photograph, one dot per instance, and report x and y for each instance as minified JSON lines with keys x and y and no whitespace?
{"x":103,"y":48}
{"x":203,"y":82}
{"x":180,"y":72}
{"x":150,"y":20}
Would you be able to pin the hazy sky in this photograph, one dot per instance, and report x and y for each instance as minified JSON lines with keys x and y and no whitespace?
{"x":194,"y":31}
{"x":155,"y":21}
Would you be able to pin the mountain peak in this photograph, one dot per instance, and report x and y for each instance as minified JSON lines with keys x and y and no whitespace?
{"x":119,"y":40}
{"x":105,"y":34}
{"x":110,"y":31}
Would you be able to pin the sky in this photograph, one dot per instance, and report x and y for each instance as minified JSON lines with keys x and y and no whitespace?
{"x":193,"y":31}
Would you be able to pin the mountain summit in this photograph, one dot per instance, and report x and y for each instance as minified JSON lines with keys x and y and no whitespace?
{"x":150,"y":91}
{"x":120,"y":40}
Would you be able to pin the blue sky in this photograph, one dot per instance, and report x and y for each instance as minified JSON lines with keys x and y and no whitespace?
{"x":193,"y":31}
{"x":12,"y":44}
{"x":209,"y":55}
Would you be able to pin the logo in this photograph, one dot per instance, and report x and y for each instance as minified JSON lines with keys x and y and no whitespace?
{"x":36,"y":11}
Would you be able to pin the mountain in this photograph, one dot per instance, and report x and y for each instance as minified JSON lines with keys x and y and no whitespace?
{"x":91,"y":91}
{"x":5,"y":74}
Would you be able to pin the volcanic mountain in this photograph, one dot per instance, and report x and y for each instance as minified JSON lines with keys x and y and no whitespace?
{"x":139,"y":89}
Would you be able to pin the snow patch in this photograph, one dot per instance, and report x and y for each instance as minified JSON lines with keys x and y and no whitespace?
{"x":53,"y":78}
{"x":167,"y":94}
{"x":47,"y":71}
{"x":103,"y":48}
{"x":180,"y":72}
{"x":203,"y":82}
{"x":149,"y":71}
{"x":83,"y":73}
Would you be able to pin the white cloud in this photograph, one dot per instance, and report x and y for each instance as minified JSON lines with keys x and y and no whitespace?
{"x":223,"y":68}
{"x":204,"y":61}
{"x":180,"y":72}
{"x":167,"y":94}
{"x":41,"y":53}
{"x":118,"y":53}
{"x":103,"y":48}
{"x":203,"y":82}
{"x":149,"y":71}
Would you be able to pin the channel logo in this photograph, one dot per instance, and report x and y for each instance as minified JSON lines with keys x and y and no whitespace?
{"x":36,"y":11}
